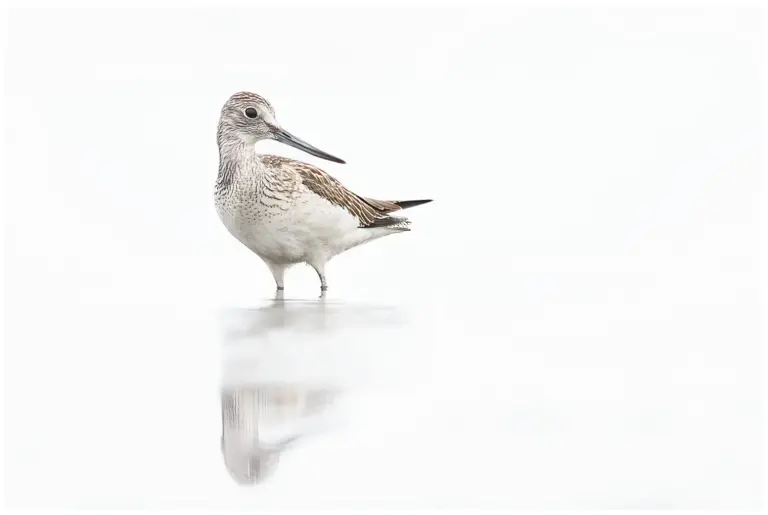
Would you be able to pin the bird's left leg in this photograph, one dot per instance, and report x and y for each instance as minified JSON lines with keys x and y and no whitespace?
{"x":278,"y":272}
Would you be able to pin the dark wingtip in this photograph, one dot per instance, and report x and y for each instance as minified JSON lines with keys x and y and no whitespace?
{"x":405,"y":204}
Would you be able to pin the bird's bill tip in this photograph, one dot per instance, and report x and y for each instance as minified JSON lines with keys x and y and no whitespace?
{"x":286,"y":137}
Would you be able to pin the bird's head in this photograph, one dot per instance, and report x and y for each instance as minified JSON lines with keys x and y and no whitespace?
{"x":250,"y":118}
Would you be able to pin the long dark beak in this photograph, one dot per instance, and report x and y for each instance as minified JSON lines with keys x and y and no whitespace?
{"x":286,"y":137}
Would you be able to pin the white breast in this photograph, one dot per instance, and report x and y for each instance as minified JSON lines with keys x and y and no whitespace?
{"x":288,"y":230}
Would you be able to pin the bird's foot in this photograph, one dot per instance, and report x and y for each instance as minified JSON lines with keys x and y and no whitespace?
{"x":280,"y":288}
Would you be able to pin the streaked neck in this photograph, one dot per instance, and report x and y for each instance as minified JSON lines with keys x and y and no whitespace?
{"x":236,"y":156}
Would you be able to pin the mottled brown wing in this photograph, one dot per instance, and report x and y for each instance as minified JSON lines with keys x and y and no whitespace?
{"x":370,"y":212}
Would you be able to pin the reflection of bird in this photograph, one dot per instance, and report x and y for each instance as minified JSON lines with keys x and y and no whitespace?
{"x":286,"y":211}
{"x":250,"y":465}
{"x":248,"y":411}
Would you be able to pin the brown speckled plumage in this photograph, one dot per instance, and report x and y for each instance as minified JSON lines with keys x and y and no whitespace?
{"x":370,"y":212}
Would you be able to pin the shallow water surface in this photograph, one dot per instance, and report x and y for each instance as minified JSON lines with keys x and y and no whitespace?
{"x":427,"y":401}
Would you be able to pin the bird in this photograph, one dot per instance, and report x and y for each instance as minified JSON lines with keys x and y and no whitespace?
{"x":287,"y":211}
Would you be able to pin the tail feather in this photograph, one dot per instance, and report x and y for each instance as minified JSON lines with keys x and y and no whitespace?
{"x":387,"y":206}
{"x":405,"y":204}
{"x":384,"y":207}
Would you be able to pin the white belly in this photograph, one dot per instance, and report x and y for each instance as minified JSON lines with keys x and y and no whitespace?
{"x":304,"y":229}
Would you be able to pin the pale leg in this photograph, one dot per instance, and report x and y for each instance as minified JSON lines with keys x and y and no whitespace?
{"x":320,"y":269}
{"x":278,"y":272}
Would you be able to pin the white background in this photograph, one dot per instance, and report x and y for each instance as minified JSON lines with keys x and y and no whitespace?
{"x":572,"y":323}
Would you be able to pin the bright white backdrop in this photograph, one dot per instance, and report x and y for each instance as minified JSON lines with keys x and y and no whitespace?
{"x":580,"y":302}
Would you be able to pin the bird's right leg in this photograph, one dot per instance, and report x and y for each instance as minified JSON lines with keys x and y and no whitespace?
{"x":319,"y":266}
{"x":278,"y":272}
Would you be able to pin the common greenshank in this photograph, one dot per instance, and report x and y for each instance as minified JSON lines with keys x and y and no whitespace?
{"x":287,"y":211}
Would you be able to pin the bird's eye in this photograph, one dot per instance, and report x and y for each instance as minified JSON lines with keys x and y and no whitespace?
{"x":251,"y":113}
